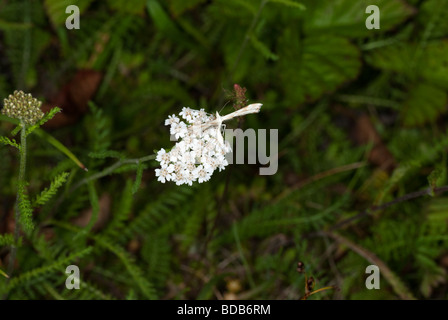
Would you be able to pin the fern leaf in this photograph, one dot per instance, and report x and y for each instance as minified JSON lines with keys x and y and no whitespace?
{"x":155,"y":212}
{"x":100,"y":131}
{"x":156,"y":252}
{"x":263,"y":49}
{"x":137,"y":274}
{"x":47,"y":193}
{"x":121,"y":214}
{"x":45,"y":271}
{"x":425,"y":103}
{"x":8,"y":142}
{"x":26,"y":211}
{"x":91,"y":291}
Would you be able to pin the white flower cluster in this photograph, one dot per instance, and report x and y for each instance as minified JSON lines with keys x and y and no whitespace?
{"x":201,"y":149}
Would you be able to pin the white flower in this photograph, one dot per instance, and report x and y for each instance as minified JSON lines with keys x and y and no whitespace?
{"x":187,"y":114}
{"x":162,"y":156}
{"x":172,"y":120}
{"x":201,"y":149}
{"x":202,"y":173}
{"x":163,"y":175}
{"x":179,"y":130}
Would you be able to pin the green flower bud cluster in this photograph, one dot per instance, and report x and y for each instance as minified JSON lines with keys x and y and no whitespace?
{"x":24,"y":107}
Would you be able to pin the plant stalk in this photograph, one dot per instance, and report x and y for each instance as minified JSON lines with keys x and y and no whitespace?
{"x":21,"y":181}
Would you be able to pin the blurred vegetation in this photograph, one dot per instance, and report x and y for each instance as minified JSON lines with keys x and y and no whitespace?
{"x":361,"y":116}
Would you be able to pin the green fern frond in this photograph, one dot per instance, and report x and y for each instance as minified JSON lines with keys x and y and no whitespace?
{"x":9,"y":142}
{"x":90,"y":290}
{"x":26,"y":211}
{"x":156,"y":212}
{"x":31,"y":40}
{"x":196,"y":217}
{"x":156,"y":252}
{"x":134,"y":270}
{"x":121,"y":214}
{"x":424,"y":104}
{"x":99,"y":132}
{"x":49,"y":192}
{"x":262,"y":49}
{"x":44,"y":272}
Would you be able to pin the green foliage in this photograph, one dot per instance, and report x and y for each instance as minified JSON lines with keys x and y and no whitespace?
{"x":49,"y":192}
{"x":423,"y":67}
{"x":25,"y":38}
{"x":317,"y":73}
{"x":121,"y":213}
{"x":153,"y":215}
{"x":6,"y":239}
{"x":347,"y":18}
{"x":425,"y":103}
{"x":39,"y":274}
{"x":26,"y":211}
{"x":133,"y":269}
{"x":9,"y":142}
{"x":100,"y":129}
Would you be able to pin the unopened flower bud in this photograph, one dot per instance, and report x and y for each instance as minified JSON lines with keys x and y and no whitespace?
{"x":23,"y":107}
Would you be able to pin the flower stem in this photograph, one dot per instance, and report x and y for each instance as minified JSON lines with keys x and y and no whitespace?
{"x":21,"y":181}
